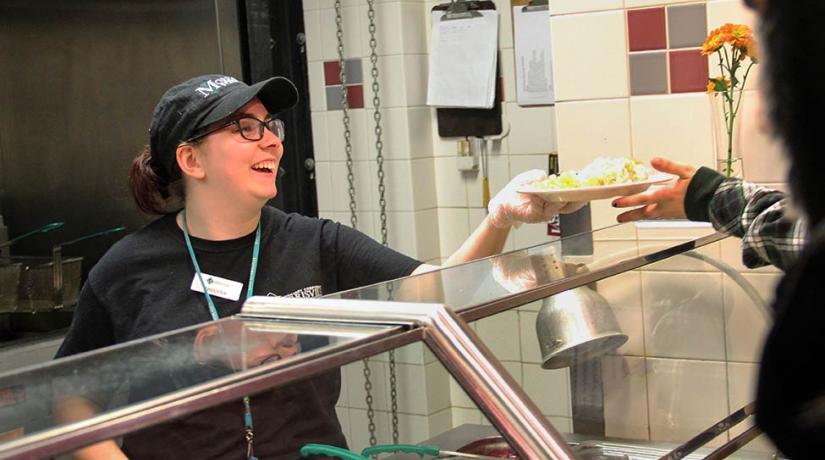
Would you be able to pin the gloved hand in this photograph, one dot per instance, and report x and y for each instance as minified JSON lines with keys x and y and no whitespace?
{"x":510,"y":208}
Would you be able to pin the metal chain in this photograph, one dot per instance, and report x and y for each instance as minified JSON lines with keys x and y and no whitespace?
{"x":382,"y":201}
{"x":342,"y":75}
{"x":370,"y":411}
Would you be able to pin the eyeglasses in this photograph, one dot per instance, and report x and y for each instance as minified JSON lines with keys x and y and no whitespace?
{"x":250,"y":128}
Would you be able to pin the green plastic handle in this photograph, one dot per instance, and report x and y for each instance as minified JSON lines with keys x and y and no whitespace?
{"x":331,"y":451}
{"x":421,"y":450}
{"x":43,"y":229}
{"x":94,"y":235}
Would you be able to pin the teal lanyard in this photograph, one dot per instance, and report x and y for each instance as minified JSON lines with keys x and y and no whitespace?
{"x":247,"y":415}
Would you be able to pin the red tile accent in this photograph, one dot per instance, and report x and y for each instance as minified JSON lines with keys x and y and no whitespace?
{"x":688,"y":71}
{"x":332,"y":73}
{"x":355,"y":96}
{"x":646,"y":29}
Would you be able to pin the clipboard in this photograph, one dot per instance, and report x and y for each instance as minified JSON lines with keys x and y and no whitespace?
{"x":453,"y":122}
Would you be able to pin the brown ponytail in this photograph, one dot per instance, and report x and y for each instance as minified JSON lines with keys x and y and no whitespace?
{"x":152,"y":193}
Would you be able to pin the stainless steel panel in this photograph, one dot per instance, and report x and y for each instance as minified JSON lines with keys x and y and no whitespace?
{"x":80,"y":81}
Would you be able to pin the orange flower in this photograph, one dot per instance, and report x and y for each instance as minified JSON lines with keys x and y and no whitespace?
{"x":711,"y":86}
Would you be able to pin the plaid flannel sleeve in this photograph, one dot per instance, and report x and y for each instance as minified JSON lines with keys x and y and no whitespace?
{"x":758,"y":215}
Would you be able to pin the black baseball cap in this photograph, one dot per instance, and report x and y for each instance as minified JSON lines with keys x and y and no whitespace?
{"x":189,"y":107}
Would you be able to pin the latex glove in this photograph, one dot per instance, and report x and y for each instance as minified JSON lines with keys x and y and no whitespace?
{"x":660,"y":202}
{"x":510,"y":208}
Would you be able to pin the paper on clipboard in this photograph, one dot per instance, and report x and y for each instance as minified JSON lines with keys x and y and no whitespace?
{"x":534,"y":59}
{"x":463,"y":61}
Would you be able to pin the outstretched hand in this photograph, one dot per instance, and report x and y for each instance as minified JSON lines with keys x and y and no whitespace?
{"x":511,"y":208}
{"x":662,"y":202}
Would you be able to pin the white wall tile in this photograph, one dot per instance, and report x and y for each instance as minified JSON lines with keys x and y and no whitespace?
{"x":449,"y":183}
{"x":522,"y":163}
{"x":498,"y":176}
{"x":592,"y":129}
{"x":549,"y":389}
{"x":500,"y":333}
{"x":505,"y":23}
{"x":625,"y":397}
{"x":351,"y":28}
{"x":319,"y":136}
{"x":312,"y":30}
{"x":578,"y":6}
{"x":362,"y":149}
{"x":442,"y":146}
{"x":458,"y":397}
{"x":594,"y":68}
{"x":413,"y":429}
{"x":624,"y":294}
{"x":462,"y":416}
{"x":395,"y":134}
{"x":763,"y":155}
{"x":440,"y":422}
{"x":354,"y":375}
{"x":419,"y":122}
{"x":532,"y":129}
{"x":323,"y":186}
{"x":603,"y":217}
{"x":401,"y":229}
{"x":412,"y":389}
{"x":359,"y":424}
{"x":562,"y":424}
{"x":391,"y":79}
{"x":683,"y":314}
{"x":672,"y":126}
{"x":413,"y":28}
{"x":364,"y":188}
{"x":531,"y":235}
{"x":389,"y":25}
{"x":423,"y":184}
{"x":638,"y":3}
{"x":310,"y":5}
{"x":453,"y":229}
{"x":427,"y":234}
{"x":398,"y":183}
{"x":529,"y":342}
{"x":416,"y":68}
{"x":746,"y":324}
{"x":317,"y":94}
{"x":685,"y":397}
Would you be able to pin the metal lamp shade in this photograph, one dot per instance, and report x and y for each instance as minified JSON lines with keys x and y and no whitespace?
{"x":574,"y":326}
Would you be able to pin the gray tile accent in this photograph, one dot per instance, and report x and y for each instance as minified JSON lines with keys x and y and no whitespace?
{"x":354,"y":73}
{"x":648,"y":73}
{"x":687,"y":25}
{"x":334,"y":97}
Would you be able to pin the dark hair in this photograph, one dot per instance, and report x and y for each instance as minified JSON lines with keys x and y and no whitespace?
{"x":792,"y":31}
{"x":153,"y":193}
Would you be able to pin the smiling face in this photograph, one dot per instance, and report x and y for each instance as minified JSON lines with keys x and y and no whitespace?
{"x":238,"y":169}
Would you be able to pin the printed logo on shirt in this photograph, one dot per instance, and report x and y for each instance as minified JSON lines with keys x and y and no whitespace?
{"x":309,"y":291}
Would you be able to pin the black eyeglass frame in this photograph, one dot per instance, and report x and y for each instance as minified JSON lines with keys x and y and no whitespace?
{"x":274,"y":125}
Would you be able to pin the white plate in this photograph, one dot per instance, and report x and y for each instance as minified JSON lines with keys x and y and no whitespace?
{"x":599,"y":192}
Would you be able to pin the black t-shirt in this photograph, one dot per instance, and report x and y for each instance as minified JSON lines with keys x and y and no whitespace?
{"x":142,"y":287}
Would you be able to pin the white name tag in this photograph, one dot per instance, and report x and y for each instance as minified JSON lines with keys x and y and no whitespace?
{"x":217,"y":286}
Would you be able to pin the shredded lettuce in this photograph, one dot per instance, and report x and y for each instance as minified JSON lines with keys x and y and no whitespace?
{"x":602,"y":171}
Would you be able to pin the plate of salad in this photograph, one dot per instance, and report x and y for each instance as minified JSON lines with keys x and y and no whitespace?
{"x":602,"y":179}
